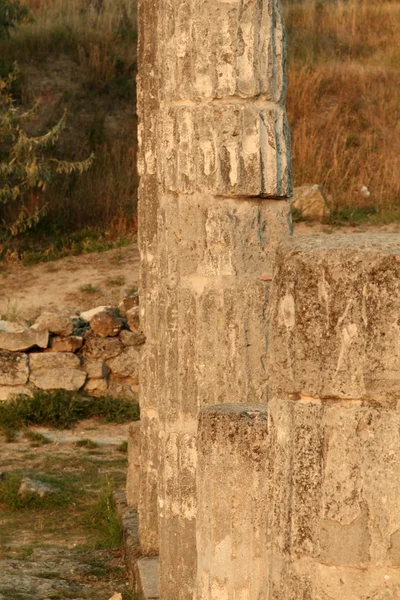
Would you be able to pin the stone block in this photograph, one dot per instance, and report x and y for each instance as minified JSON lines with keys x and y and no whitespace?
{"x":54,"y":323}
{"x":334,"y":310}
{"x":122,"y":388}
{"x":96,"y":387}
{"x":106,"y":323}
{"x":59,"y":360}
{"x":14,"y":368}
{"x":95,"y":368}
{"x":132,"y":338}
{"x":127,"y":303}
{"x":89,"y":314}
{"x":62,"y":378}
{"x":71,"y":343}
{"x":232,"y":502}
{"x":133,"y":317}
{"x":133,"y":475}
{"x":23,"y":340}
{"x":125,"y":364}
{"x":146,"y":575}
{"x":102,"y":348}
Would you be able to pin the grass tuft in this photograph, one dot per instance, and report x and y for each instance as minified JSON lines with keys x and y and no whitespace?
{"x":61,"y":409}
{"x":104,"y":520}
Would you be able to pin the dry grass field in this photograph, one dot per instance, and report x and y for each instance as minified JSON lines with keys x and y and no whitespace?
{"x":343,"y":103}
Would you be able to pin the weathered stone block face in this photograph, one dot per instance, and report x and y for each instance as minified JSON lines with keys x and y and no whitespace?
{"x":227,"y":150}
{"x":14,"y":369}
{"x":333,"y":504}
{"x":232,"y":541}
{"x":215,"y":49}
{"x":335,"y":310}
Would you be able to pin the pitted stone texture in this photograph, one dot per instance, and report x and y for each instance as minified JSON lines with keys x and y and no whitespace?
{"x":333,"y":503}
{"x":102,"y":348}
{"x":132,"y":338}
{"x":95,"y":368}
{"x":227,"y":149}
{"x":125,"y":364}
{"x":106,"y":323}
{"x":72,"y":343}
{"x":14,"y":368}
{"x":222,"y":49}
{"x":335,"y":310}
{"x":232,"y":511}
{"x":96,"y":387}
{"x":133,"y":475}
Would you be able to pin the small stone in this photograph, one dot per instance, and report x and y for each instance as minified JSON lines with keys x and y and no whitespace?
{"x":106,"y":324}
{"x":14,"y":368}
{"x":122,"y":389}
{"x":127,"y":303}
{"x":95,"y":368}
{"x":132,"y":338}
{"x":11,"y":391}
{"x":310,"y":202}
{"x":116,"y":596}
{"x":54,"y":323}
{"x":96,"y":387}
{"x":88,"y":314}
{"x":53,"y":361}
{"x":126,"y":364}
{"x":33,"y":486}
{"x":23,"y":340}
{"x":102,"y":348}
{"x":133,"y":319}
{"x":72,"y":343}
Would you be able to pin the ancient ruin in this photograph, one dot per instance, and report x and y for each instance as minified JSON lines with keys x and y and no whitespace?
{"x":270,"y":376}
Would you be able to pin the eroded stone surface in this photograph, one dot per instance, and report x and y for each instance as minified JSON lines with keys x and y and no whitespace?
{"x":14,"y":368}
{"x":125,"y":364}
{"x":62,"y":378}
{"x":106,"y":323}
{"x":72,"y":343}
{"x":335,"y":308}
{"x":102,"y":348}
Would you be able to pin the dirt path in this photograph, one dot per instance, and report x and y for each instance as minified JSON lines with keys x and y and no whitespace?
{"x":63,"y":551}
{"x":81,"y":282}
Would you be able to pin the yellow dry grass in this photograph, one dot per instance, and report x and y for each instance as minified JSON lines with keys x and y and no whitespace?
{"x":344,"y":102}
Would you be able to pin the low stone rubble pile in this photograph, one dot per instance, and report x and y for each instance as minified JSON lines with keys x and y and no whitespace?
{"x":96,"y":351}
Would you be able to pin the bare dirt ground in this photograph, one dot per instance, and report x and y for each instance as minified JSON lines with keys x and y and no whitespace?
{"x":68,"y":285}
{"x":81,"y":282}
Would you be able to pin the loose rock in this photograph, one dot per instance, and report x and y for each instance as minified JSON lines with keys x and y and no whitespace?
{"x":126,"y":364}
{"x":88,"y":314}
{"x":127,"y":303}
{"x":310,"y":202}
{"x":102,"y":348}
{"x":106,"y":324}
{"x":33,"y":486}
{"x":133,"y":319}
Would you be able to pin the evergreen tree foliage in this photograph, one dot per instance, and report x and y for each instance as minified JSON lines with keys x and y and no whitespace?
{"x":11,"y":13}
{"x":26,"y":164}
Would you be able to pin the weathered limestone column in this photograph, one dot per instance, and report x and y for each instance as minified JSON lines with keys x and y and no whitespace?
{"x":334,"y":420}
{"x":133,"y":476}
{"x":232,"y":538}
{"x":215,"y":176}
{"x":148,"y":92}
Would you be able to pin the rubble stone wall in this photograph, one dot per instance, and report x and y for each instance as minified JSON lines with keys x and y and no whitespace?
{"x":96,"y":352}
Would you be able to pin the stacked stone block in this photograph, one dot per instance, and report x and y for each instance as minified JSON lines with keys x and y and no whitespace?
{"x":96,"y":353}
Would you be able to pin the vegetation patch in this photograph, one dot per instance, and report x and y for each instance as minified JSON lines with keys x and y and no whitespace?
{"x":62,"y":409}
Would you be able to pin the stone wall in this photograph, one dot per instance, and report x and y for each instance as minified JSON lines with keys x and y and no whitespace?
{"x":96,"y":352}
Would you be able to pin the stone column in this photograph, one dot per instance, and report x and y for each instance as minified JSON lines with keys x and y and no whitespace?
{"x":232,"y":539}
{"x":215,"y":176}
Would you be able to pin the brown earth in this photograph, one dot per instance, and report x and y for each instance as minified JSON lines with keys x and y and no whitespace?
{"x":78,"y":283}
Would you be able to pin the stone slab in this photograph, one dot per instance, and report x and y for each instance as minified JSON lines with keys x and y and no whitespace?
{"x":146,"y":570}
